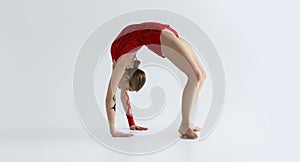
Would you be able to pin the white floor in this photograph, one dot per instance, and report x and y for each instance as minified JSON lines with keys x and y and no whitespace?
{"x":86,"y":149}
{"x":230,"y":141}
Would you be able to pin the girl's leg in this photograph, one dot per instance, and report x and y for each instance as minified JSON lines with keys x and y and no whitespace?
{"x":195,"y":56}
{"x":177,"y":52}
{"x":198,"y":63}
{"x":203,"y":73}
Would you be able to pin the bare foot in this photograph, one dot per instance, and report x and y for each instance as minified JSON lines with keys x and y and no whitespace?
{"x":187,"y":133}
{"x":195,"y":128}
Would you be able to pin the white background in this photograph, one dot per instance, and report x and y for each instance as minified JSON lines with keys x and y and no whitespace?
{"x":258,"y":42}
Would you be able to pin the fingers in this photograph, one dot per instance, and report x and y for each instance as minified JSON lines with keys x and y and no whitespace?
{"x":126,"y":135}
{"x":135,"y":127}
{"x":141,"y":128}
{"x":120,"y":134}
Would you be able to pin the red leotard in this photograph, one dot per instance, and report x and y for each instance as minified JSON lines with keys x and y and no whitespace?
{"x":134,"y":36}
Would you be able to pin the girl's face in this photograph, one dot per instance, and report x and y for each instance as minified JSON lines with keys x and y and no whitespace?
{"x":124,"y":83}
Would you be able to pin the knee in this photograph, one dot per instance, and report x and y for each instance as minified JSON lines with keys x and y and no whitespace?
{"x":200,"y":76}
{"x":197,"y":79}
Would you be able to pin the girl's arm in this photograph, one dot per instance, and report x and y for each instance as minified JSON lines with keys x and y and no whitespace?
{"x":116,"y":76}
{"x":127,"y":107}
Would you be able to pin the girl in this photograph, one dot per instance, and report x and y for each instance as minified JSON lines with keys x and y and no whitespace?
{"x":165,"y":42}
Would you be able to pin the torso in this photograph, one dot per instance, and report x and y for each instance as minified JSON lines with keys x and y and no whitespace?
{"x":129,"y":57}
{"x":134,"y":36}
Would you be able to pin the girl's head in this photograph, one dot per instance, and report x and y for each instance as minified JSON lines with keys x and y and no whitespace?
{"x":133,"y":78}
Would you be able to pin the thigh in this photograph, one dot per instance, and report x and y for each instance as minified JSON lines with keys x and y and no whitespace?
{"x":179,"y":61}
{"x":194,"y":55}
{"x":174,"y":48}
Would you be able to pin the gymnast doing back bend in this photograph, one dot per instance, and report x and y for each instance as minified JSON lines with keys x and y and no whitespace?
{"x":165,"y":42}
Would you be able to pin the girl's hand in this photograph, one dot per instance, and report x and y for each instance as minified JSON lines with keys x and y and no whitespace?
{"x":121,"y":134}
{"x":135,"y":127}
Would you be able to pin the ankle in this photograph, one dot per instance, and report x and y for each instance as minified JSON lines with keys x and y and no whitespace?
{"x":184,"y":129}
{"x":185,"y":125}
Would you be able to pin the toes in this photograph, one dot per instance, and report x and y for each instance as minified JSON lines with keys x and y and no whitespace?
{"x":189,"y":136}
{"x":196,"y":129}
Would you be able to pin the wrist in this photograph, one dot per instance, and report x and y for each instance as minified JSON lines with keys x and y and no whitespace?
{"x":112,"y":130}
{"x":130,"y":119}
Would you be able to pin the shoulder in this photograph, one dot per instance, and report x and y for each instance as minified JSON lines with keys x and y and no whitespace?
{"x":125,"y":59}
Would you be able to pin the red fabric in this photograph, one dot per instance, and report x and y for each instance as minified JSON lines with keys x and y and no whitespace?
{"x":130,"y":119}
{"x":127,"y":101}
{"x":134,"y":36}
{"x":129,"y":116}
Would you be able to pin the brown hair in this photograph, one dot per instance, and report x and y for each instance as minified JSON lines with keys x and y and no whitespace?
{"x":137,"y":76}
